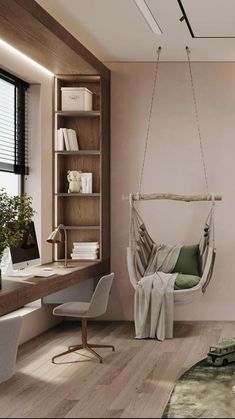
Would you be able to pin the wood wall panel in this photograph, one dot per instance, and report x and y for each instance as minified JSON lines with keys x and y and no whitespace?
{"x":81,"y":211}
{"x":28,"y":27}
{"x":89,"y":164}
{"x":105,"y":168}
{"x":87,"y":130}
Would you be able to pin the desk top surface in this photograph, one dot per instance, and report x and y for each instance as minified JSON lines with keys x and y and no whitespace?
{"x":18,"y":291}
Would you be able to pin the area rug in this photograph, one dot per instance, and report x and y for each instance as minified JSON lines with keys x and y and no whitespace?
{"x":203,"y":392}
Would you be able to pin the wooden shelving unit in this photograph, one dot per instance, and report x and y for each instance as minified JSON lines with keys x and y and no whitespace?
{"x":85,"y":216}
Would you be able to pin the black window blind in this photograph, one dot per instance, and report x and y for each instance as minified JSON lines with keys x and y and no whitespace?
{"x":13,"y":124}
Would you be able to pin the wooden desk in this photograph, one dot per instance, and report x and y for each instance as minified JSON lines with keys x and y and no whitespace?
{"x":16,"y":292}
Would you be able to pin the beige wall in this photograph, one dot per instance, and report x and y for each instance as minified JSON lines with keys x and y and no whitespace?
{"x":173,"y":165}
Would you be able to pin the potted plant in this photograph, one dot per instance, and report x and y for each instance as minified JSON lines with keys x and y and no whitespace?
{"x":16,"y":212}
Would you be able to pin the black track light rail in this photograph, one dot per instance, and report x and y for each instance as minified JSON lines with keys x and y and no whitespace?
{"x":186,"y":19}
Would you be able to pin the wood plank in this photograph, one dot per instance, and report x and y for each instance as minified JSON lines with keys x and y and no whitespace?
{"x":80,"y":114}
{"x":20,"y":291}
{"x":135,"y":381}
{"x":79,"y":209}
{"x":50,"y":382}
{"x":28,"y":27}
{"x":82,"y":195}
{"x":83,"y":163}
{"x":82,"y":227}
{"x":91,"y":78}
{"x":79,"y":153}
{"x":87,"y":129}
{"x":105,"y":168}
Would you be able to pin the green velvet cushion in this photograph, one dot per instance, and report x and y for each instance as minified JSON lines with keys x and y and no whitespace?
{"x":188,"y":260}
{"x":186,"y":281}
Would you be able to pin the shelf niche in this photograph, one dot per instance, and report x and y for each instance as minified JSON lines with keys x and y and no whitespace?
{"x":86,"y":163}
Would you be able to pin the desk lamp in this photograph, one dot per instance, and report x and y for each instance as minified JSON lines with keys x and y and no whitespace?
{"x":55,"y":238}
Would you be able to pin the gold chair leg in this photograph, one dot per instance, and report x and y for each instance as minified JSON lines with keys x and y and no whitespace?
{"x":88,"y":348}
{"x":84,"y":345}
{"x":74,"y":346}
{"x":102,"y":346}
{"x":74,"y":349}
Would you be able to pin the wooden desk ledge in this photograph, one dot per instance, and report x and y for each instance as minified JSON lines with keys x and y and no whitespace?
{"x":18,"y":291}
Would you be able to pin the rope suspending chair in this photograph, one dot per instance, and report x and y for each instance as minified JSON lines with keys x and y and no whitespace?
{"x":141,"y":242}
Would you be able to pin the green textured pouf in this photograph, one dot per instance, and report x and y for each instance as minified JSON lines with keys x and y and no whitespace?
{"x":203,"y":392}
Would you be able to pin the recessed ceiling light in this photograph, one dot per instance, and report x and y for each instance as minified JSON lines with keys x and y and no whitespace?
{"x":148,"y":16}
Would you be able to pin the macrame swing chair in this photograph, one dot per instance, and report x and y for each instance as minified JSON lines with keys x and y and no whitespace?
{"x":141,"y":244}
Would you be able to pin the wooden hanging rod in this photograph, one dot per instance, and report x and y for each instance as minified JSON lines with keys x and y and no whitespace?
{"x":172,"y":197}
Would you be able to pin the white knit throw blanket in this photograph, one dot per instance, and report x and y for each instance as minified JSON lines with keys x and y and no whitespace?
{"x":154,"y":298}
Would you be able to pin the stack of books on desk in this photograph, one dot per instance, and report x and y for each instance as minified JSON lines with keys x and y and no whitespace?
{"x":85,"y":250}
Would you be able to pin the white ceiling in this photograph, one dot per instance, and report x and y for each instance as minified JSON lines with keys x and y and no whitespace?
{"x":114,"y":30}
{"x":211,"y":17}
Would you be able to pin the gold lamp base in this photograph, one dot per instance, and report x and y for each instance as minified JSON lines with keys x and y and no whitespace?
{"x":67,"y":266}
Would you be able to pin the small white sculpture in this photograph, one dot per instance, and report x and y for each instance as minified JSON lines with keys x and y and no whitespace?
{"x":86,"y":182}
{"x":74,"y":179}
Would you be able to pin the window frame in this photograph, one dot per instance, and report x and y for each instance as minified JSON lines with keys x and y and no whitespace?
{"x":20,"y":123}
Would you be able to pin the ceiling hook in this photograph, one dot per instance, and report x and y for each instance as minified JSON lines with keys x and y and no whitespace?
{"x":187,"y":50}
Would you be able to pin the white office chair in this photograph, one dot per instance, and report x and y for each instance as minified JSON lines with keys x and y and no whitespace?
{"x":84,"y":311}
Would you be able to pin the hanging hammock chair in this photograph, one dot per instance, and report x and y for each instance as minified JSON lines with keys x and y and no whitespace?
{"x":141,"y":244}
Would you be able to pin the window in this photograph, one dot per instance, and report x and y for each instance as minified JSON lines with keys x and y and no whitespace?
{"x":11,"y":182}
{"x":13,"y":132}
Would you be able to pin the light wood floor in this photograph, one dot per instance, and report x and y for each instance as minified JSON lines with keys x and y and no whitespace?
{"x":134,"y":382}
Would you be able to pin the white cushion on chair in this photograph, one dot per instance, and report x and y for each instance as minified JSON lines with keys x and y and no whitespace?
{"x":75,"y":309}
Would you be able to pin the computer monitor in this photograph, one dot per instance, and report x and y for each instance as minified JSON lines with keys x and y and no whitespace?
{"x":27,"y":252}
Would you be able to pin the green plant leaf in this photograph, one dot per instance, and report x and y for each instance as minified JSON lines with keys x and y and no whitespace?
{"x":16,"y":213}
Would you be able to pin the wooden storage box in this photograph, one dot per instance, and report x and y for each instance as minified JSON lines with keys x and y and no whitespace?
{"x":76,"y":99}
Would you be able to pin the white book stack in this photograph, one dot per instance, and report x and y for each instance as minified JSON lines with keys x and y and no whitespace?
{"x":60,"y":146}
{"x":67,"y":140}
{"x":85,"y":250}
{"x":73,"y":142}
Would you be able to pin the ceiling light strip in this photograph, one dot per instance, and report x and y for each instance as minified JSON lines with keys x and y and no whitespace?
{"x":148,"y":16}
{"x":20,"y":54}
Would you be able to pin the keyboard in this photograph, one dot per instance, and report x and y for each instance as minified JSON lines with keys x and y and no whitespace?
{"x":43,"y":274}
{"x":40,"y":273}
{"x":18,"y":274}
